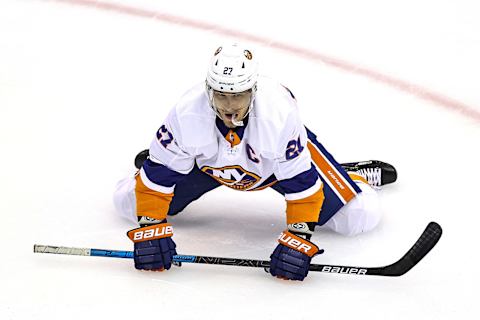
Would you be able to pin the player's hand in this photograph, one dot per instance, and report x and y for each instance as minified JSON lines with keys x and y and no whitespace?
{"x":153,"y":246}
{"x":291,"y":258}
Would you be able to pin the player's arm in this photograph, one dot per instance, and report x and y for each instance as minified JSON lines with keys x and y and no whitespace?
{"x":304,"y":197}
{"x":167,"y":164}
{"x":297,"y":175}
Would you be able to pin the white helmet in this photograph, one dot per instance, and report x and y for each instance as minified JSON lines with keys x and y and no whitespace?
{"x":233,"y":69}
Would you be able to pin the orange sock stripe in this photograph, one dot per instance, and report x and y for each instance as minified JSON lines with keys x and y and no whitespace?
{"x":151,"y":203}
{"x":334,"y":179}
{"x":307,"y":209}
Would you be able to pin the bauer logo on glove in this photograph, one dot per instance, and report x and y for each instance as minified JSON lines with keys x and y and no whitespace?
{"x":296,"y":243}
{"x":156,"y":231}
{"x":153,"y":246}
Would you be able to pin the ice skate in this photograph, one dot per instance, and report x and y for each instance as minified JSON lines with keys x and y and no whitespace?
{"x":377,"y":173}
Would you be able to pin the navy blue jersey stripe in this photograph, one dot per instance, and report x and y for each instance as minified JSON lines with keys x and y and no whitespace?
{"x":300,"y":182}
{"x":161,"y":175}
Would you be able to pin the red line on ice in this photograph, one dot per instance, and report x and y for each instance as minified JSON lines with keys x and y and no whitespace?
{"x":436,"y":98}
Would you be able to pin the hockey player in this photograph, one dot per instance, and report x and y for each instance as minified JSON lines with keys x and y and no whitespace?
{"x":244,"y":131}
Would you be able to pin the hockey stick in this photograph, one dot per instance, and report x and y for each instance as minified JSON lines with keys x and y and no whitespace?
{"x":422,"y":246}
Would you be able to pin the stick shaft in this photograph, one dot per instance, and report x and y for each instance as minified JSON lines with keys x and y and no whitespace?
{"x":129,"y":255}
{"x":422,"y":246}
{"x":192,"y":259}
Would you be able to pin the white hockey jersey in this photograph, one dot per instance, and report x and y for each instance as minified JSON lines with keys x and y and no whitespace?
{"x":270,"y":148}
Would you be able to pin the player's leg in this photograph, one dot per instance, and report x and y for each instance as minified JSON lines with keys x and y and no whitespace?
{"x":361,"y":214}
{"x":338,"y":187}
{"x":347,"y":195}
{"x":124,"y":198}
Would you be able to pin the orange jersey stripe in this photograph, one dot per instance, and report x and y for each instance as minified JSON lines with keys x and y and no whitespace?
{"x":151,"y":203}
{"x":331,"y":175}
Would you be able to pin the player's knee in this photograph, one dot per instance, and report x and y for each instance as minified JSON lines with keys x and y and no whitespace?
{"x":124,"y":199}
{"x":360,"y":215}
{"x":362,"y":220}
{"x":371,"y":207}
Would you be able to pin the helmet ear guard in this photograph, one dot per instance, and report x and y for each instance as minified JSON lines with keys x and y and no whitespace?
{"x":232,"y":69}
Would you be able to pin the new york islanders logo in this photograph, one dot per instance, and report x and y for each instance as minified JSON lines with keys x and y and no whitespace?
{"x":234,"y":177}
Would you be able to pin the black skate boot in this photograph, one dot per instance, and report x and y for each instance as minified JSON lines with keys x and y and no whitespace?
{"x":140,"y":158}
{"x":376,"y":172}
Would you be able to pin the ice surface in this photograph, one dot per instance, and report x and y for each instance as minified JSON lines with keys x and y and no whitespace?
{"x":83,"y":87}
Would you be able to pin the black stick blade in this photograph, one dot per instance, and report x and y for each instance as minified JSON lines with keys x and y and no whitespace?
{"x":424,"y":244}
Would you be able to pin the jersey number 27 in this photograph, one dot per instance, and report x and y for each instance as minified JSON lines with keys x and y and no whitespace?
{"x":164,"y":136}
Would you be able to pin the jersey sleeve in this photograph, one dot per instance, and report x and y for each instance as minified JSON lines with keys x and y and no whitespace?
{"x":168,"y":163}
{"x":297,"y":175}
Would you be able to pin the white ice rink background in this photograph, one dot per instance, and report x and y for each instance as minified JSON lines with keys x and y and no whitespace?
{"x":84,"y":85}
